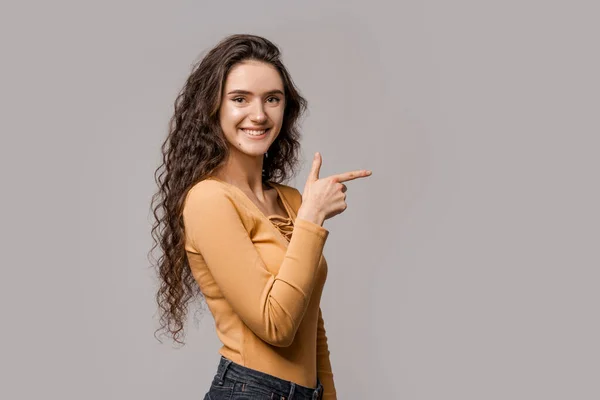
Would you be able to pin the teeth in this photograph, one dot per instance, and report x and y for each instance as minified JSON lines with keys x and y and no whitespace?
{"x":253,"y":132}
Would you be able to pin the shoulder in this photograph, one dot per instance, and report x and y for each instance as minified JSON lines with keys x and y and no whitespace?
{"x":207,"y":188}
{"x":292,"y":195}
{"x":210,"y":193}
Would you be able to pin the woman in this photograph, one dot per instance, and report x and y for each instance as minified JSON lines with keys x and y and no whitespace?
{"x":250,"y":244}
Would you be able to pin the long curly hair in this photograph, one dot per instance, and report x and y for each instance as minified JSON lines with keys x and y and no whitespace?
{"x":194,"y":148}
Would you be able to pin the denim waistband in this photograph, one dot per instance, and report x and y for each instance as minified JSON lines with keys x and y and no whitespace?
{"x":290,"y":390}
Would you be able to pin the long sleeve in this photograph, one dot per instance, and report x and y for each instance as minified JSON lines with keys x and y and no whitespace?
{"x":324,"y":371}
{"x":272,"y":306}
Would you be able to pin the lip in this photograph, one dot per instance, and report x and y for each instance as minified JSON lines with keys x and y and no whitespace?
{"x":256,"y":129}
{"x":259,"y":137}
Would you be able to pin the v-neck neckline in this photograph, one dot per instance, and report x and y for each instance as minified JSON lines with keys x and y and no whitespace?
{"x":287,"y":207}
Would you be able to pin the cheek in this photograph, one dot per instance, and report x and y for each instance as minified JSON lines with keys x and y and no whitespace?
{"x":237,"y":114}
{"x":276,"y":116}
{"x":231,"y":116}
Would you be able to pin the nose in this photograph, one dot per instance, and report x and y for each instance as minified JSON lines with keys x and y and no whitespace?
{"x":258,"y":113}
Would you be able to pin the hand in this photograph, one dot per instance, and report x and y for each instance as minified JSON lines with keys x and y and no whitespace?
{"x":325,"y":198}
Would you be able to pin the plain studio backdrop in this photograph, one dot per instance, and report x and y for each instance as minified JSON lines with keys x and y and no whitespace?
{"x":466,"y":267}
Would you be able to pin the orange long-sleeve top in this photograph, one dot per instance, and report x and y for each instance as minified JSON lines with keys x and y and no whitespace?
{"x":262,"y":278}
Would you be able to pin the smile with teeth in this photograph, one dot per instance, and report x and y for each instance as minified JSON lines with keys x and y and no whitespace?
{"x":253,"y":132}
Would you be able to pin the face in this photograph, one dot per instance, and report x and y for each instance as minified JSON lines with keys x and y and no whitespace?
{"x":252,"y":105}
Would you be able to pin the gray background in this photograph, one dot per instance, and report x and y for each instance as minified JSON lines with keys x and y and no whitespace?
{"x":466,"y":267}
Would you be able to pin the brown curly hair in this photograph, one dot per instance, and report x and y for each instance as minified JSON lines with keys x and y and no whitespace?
{"x":194,"y":148}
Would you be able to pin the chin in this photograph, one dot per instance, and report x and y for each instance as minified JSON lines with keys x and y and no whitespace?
{"x":253,"y":152}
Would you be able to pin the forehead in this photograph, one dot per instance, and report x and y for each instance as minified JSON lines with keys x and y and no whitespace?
{"x":254,"y":76}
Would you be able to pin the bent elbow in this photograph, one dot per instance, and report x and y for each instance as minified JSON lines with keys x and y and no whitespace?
{"x":281,"y":341}
{"x":276,"y":325}
{"x":280,"y":336}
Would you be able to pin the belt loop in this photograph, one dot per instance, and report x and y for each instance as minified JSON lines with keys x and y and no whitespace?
{"x":222,"y":375}
{"x":291,"y":395}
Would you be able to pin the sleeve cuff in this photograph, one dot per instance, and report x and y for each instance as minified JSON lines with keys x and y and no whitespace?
{"x":311,"y":226}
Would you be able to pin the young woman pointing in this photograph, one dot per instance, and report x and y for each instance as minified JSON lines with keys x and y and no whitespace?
{"x":251,"y":245}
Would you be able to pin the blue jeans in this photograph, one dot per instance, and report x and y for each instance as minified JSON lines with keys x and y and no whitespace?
{"x":236,"y":382}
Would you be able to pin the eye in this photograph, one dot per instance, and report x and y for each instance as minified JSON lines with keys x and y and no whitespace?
{"x":277,"y":100}
{"x":238,"y":98}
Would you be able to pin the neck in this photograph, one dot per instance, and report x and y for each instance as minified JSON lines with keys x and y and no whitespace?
{"x":243,"y":171}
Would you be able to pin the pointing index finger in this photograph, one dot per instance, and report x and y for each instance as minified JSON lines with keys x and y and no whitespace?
{"x":348,"y":176}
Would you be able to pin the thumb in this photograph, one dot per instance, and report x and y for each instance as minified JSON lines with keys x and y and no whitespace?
{"x":316,"y":167}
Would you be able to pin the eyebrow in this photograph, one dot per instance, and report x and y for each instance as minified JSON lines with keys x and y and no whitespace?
{"x":239,"y":91}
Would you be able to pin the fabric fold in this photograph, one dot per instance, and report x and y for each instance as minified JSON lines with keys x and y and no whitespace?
{"x":285,"y":225}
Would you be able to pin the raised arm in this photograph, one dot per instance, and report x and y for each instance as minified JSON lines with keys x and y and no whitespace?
{"x":272,"y":306}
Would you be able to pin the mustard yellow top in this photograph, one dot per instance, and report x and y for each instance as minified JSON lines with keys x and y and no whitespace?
{"x":262,"y":278}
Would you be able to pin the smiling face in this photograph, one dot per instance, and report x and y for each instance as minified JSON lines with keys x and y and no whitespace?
{"x":252,"y":106}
